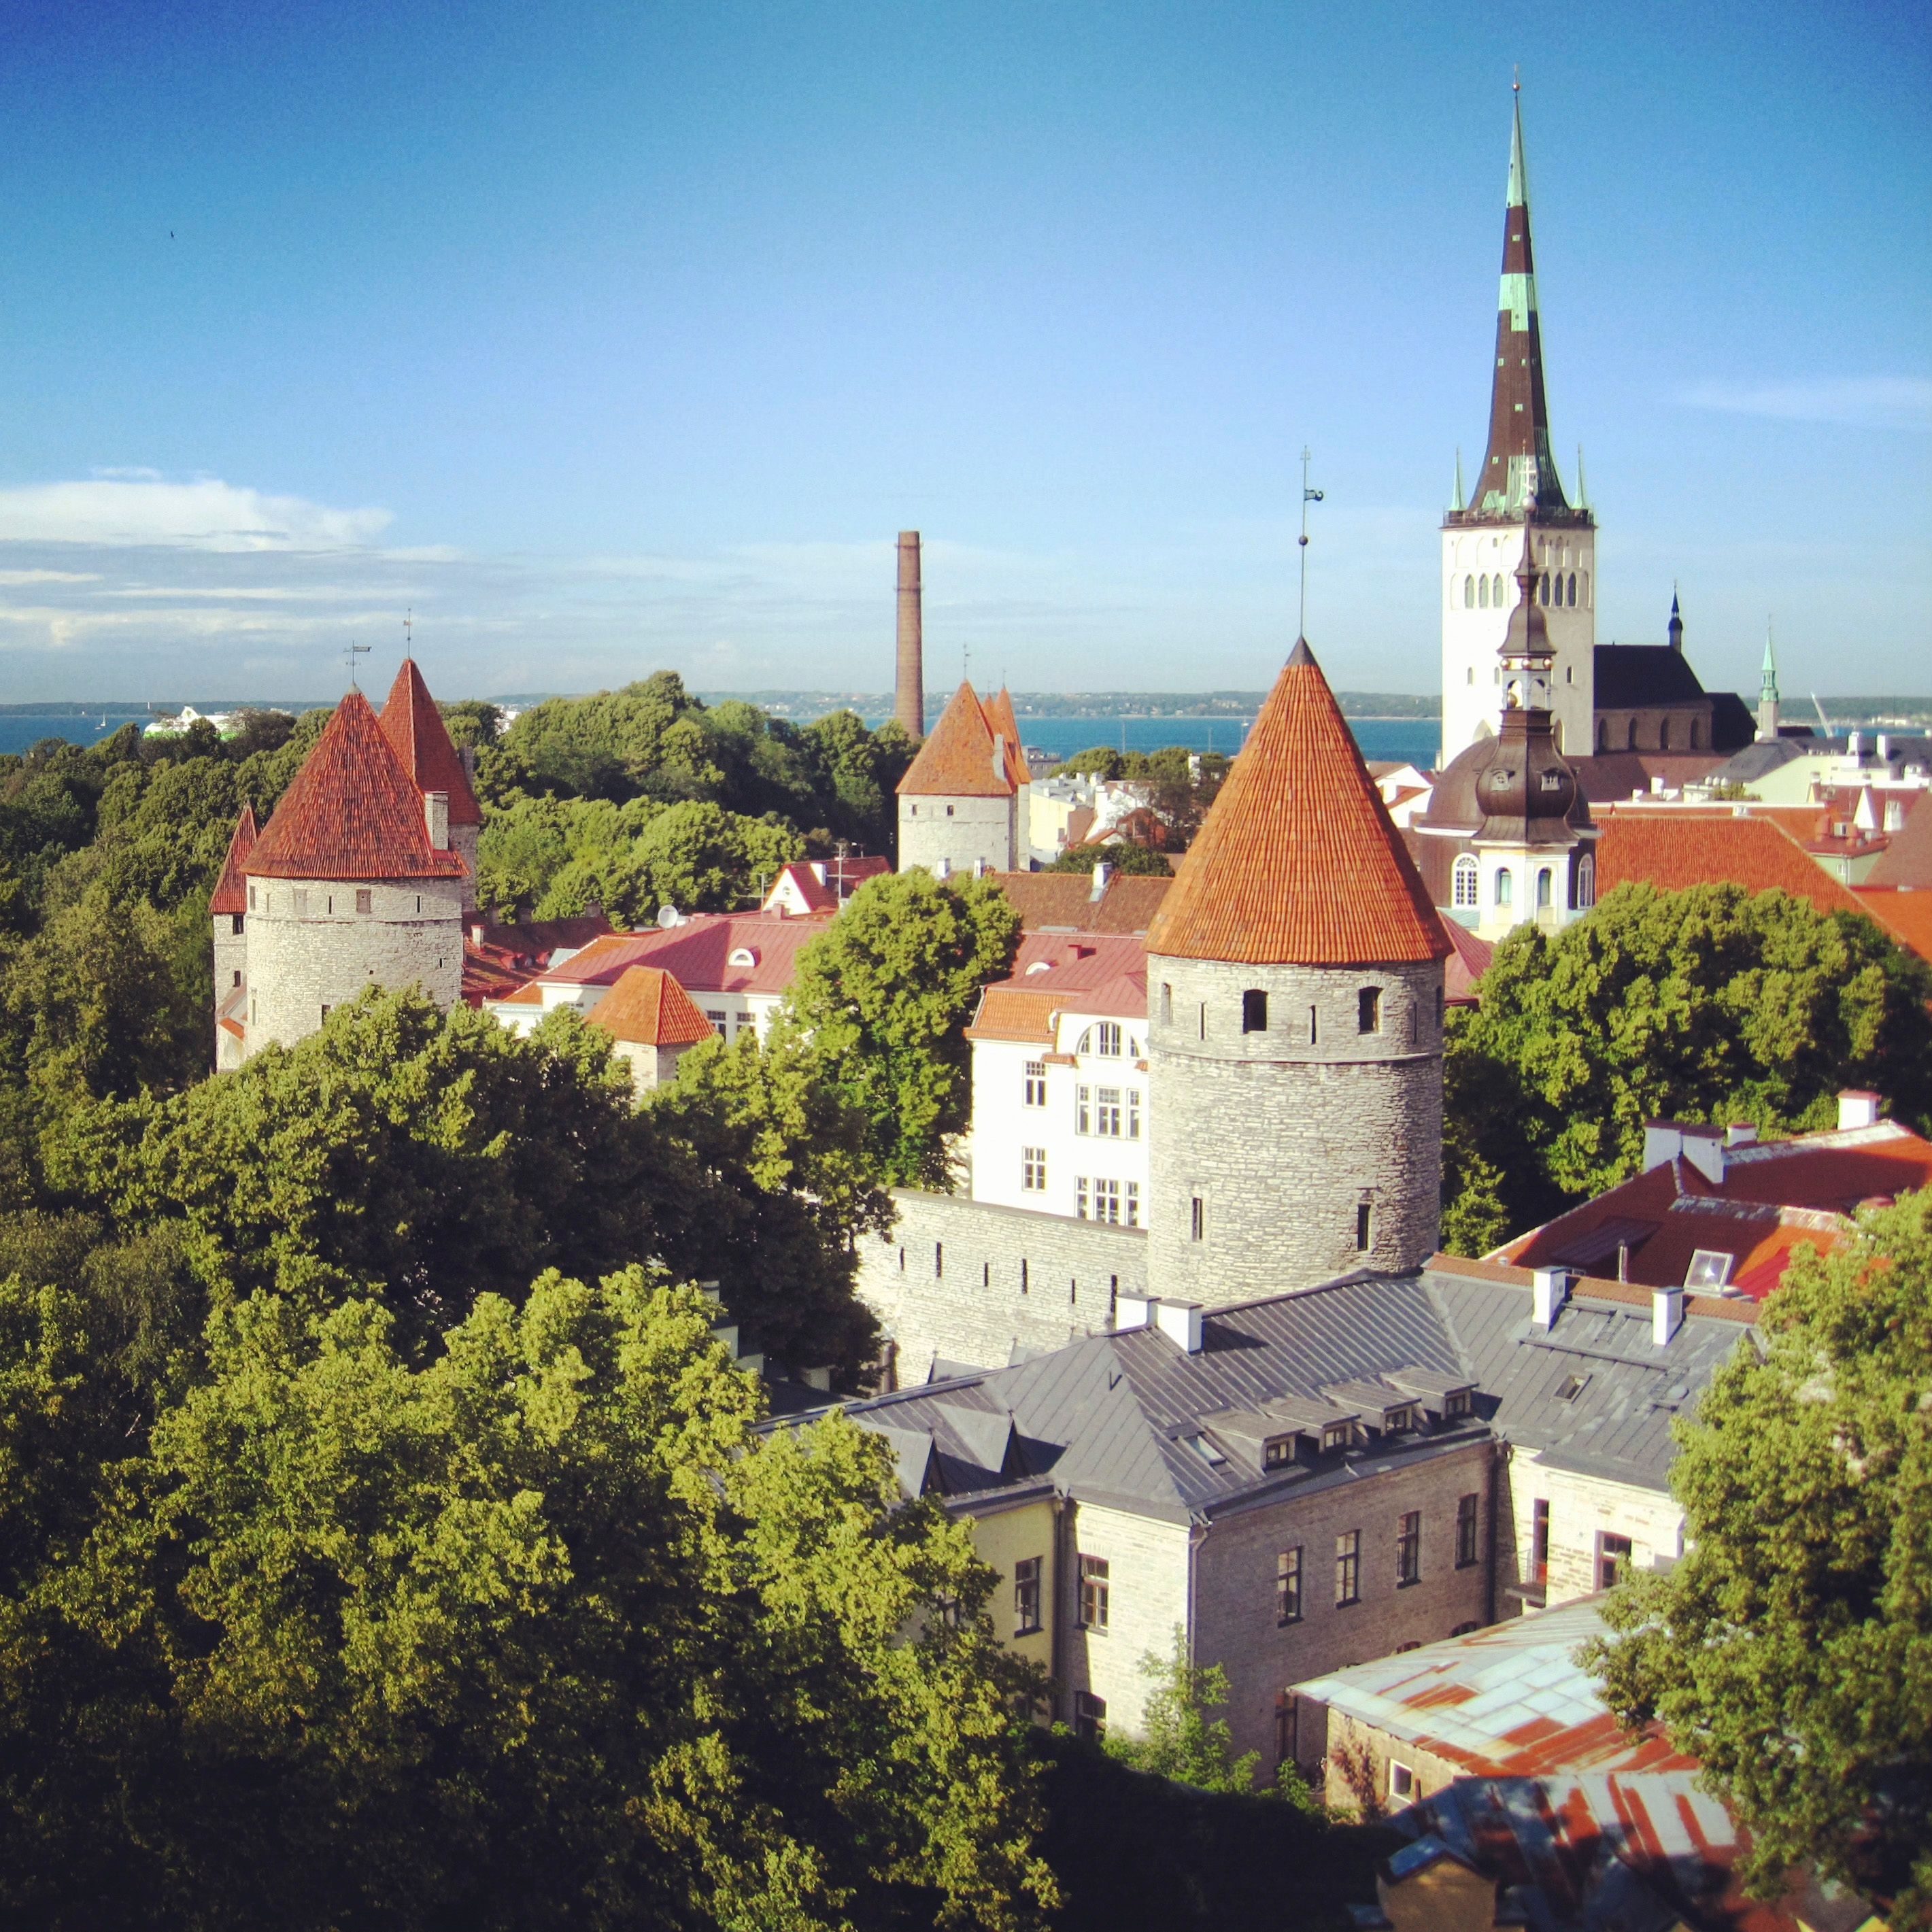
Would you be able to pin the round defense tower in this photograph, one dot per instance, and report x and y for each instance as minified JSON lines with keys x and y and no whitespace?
{"x":355,"y":883}
{"x":1295,"y":1013}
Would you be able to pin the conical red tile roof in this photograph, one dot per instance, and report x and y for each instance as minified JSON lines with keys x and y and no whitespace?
{"x":956,"y":760}
{"x":647,"y":1007}
{"x":999,"y":710}
{"x":351,"y":812}
{"x":231,"y":890}
{"x":1297,"y":862}
{"x":413,"y":725}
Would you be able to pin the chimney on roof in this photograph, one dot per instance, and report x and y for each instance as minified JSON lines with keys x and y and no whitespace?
{"x":1549,"y":1289}
{"x":436,"y":815}
{"x":1895,"y":814}
{"x":1103,"y":872}
{"x":1704,"y":1149}
{"x":1885,"y":748}
{"x":1858,"y":1107}
{"x":1179,"y":1321}
{"x":999,"y":757}
{"x":1667,"y":1314}
{"x":1131,"y":1311}
{"x":1740,"y":1133}
{"x":909,"y":698}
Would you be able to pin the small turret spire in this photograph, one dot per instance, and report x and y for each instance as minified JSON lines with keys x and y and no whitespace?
{"x":1456,"y":506}
{"x":1676,"y":624}
{"x":1519,"y":175}
{"x":1767,"y":693}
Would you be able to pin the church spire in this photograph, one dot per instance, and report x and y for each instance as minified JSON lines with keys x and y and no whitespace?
{"x":1519,"y":477}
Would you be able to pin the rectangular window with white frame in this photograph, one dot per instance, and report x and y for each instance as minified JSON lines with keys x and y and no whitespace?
{"x":1036,"y":1083}
{"x":1109,"y":1032}
{"x":1107,"y":1112}
{"x":1081,"y":1187}
{"x":1107,"y":1202}
{"x":1288,"y":1586}
{"x":1133,"y":1204}
{"x":1133,"y":1113}
{"x":1026,"y":1596}
{"x":1083,"y":1110}
{"x":1033,"y":1170}
{"x":1096,"y":1593}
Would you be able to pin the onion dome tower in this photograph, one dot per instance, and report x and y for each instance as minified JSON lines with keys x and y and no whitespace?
{"x":227,"y":911}
{"x":1295,"y":1007}
{"x":1517,"y":487}
{"x":1507,"y":834}
{"x":962,"y":802}
{"x":355,"y":883}
{"x":415,"y":731}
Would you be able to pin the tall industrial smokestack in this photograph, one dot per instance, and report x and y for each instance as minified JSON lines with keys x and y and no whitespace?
{"x":909,"y":699}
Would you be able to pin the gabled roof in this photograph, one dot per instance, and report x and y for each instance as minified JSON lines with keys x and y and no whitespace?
{"x":231,"y":890}
{"x":1298,"y":861}
{"x":1064,"y":901}
{"x":1082,"y":973}
{"x":958,"y":759}
{"x":1907,"y":915}
{"x":1006,"y":727}
{"x":414,"y":727}
{"x":1636,"y":677}
{"x":699,"y":954}
{"x":351,"y":812}
{"x":1466,"y":965}
{"x":647,"y":1007}
{"x":1676,"y":848}
{"x":1907,"y":859}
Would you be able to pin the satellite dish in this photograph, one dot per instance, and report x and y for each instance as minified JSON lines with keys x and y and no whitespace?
{"x":669,"y":916}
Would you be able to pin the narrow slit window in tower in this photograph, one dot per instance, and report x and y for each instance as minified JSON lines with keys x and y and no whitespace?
{"x":1364,"y":1218}
{"x":1254,"y":1011}
{"x":1314,"y":1027}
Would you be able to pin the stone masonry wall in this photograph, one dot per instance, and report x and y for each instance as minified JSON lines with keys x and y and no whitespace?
{"x":968,"y":1281}
{"x":327,"y":953}
{"x":977,"y":829}
{"x":1234,"y":1622}
{"x":1282,"y":1137}
{"x":1147,"y":1590}
{"x":1582,"y":1508}
{"x":462,"y":840}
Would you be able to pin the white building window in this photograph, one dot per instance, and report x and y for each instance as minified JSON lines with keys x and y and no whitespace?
{"x":1036,"y":1083}
{"x":722,"y":1021}
{"x":1109,"y":1048}
{"x":1402,"y":1783}
{"x":1133,"y":1204}
{"x":1543,"y":888}
{"x":1586,"y":882}
{"x":1080,"y":1187}
{"x":1107,"y":1112}
{"x":1083,"y":1110}
{"x":1032,"y":1169}
{"x":1464,"y":892}
{"x":1505,"y":887}
{"x":1133,"y":1113}
{"x":1107,"y":1202}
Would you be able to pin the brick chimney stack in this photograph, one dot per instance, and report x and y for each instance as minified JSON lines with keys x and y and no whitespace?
{"x":909,"y":700}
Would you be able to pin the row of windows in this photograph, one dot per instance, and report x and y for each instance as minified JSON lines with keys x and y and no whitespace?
{"x":1288,"y":1577}
{"x":1466,"y":885}
{"x":1613,"y":1551}
{"x":1365,"y":1223}
{"x":1117,"y":1202}
{"x":1026,"y":1274}
{"x":365,"y":900}
{"x":1106,"y":1040}
{"x":1631,"y":735}
{"x":1112,"y":1113}
{"x":1558,"y":587}
{"x":1255,"y":1011}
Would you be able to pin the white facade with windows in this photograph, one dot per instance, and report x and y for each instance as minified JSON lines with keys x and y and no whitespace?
{"x":1060,"y":1122}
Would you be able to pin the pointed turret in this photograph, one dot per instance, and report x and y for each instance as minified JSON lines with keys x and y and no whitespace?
{"x":1518,"y":474}
{"x":959,"y":801}
{"x":1297,"y":862}
{"x":1676,"y":626}
{"x":1767,"y":693}
{"x":230,"y":898}
{"x":1461,"y":501}
{"x":414,"y":727}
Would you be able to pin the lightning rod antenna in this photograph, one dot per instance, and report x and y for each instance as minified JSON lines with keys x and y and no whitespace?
{"x":1308,"y":497}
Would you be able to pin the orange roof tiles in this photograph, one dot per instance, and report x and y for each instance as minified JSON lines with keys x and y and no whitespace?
{"x":1675,"y":849}
{"x":351,"y":812}
{"x":647,"y":1007}
{"x":1465,"y":965}
{"x":1907,"y":859}
{"x":1065,"y":901}
{"x":414,"y":727}
{"x":1298,"y":862}
{"x":999,"y":708}
{"x":1015,"y":1013}
{"x":958,"y":759}
{"x":1907,"y":915}
{"x":231,"y":891}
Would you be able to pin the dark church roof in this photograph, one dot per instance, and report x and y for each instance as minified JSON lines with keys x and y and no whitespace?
{"x":1733,"y":724}
{"x":1630,"y":677}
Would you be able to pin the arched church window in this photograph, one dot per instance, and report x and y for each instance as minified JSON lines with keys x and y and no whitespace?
{"x":1586,"y":589}
{"x":1464,"y":891}
{"x":1663,"y":734}
{"x":1573,"y":590}
{"x":1602,"y":734}
{"x":1496,"y":590}
{"x":1632,"y":734}
{"x":1695,"y":734}
{"x":1483,"y":595}
{"x":1586,"y":881}
{"x":1505,"y":886}
{"x":1543,"y":889}
{"x":1468,"y":593}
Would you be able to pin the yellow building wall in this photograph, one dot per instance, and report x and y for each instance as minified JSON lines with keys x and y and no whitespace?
{"x":1006,"y":1537}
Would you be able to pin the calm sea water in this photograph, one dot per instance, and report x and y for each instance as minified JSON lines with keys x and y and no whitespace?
{"x":1413,"y":739}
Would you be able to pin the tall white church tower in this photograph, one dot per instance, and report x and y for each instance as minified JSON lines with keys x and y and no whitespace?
{"x":1483,"y":537}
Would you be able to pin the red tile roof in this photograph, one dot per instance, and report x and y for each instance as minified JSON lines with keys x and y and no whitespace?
{"x":1464,"y":966}
{"x":1080,"y":973}
{"x":1907,"y":859}
{"x":818,"y":897}
{"x":1675,"y":850}
{"x":647,"y":1007}
{"x":1064,"y":901}
{"x":957,"y":760}
{"x":1298,"y":862}
{"x":414,"y":727}
{"x":1907,"y":915}
{"x":1006,"y":727}
{"x":351,"y":812}
{"x":698,"y":954}
{"x":231,"y":890}
{"x":1775,"y":1197}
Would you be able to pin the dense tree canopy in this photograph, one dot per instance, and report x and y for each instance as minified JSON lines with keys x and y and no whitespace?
{"x":1791,"y":1647}
{"x":884,"y":994}
{"x":532,"y":1631}
{"x":1710,"y":1004}
{"x":1122,"y":854}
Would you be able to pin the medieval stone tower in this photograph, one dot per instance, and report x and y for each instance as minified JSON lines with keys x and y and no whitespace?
{"x":355,"y":883}
{"x":1482,"y":538}
{"x":963,"y":802}
{"x":1295,"y":1016}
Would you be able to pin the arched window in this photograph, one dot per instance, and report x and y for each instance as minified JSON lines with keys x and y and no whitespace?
{"x":1505,"y":886}
{"x":1483,"y":594}
{"x":1496,"y":590}
{"x":1464,"y":892}
{"x":1663,"y":734}
{"x":1586,"y":881}
{"x":1573,"y":590}
{"x":1368,"y":1009}
{"x":1166,"y":1004}
{"x":1602,"y":734}
{"x":1542,"y":591}
{"x":1472,"y":674}
{"x":1254,"y":1011}
{"x":1468,"y":593}
{"x":1695,"y":734}
{"x":1543,"y":889}
{"x":1586,"y":588}
{"x":1632,"y":734}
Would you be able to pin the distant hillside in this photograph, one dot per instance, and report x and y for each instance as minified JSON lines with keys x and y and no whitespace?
{"x":805,"y":705}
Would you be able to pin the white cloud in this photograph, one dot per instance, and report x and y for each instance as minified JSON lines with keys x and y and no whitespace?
{"x":11,"y":576}
{"x":1872,"y":402}
{"x":141,"y":512}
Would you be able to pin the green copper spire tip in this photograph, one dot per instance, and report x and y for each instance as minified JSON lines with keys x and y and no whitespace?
{"x":1770,"y":675}
{"x":1461,"y":501}
{"x":1519,"y":178}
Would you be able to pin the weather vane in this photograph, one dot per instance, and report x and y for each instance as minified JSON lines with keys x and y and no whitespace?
{"x":1308,"y":497}
{"x":349,"y":656}
{"x":409,"y":632}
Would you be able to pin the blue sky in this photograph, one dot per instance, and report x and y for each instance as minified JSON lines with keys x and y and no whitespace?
{"x":610,"y":337}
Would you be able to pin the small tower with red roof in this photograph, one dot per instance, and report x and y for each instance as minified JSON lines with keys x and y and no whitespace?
{"x":356,"y":883}
{"x":1295,"y":1019}
{"x":227,"y":911}
{"x":961,"y":802}
{"x":415,"y":729}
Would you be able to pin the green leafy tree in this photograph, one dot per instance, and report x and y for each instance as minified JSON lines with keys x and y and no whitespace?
{"x":471,"y":722}
{"x":884,"y":994}
{"x":1791,"y":1648}
{"x":1122,"y":854}
{"x":1710,"y":1004}
{"x":534,"y":1632}
{"x":1179,"y":1737}
{"x":1098,"y":761}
